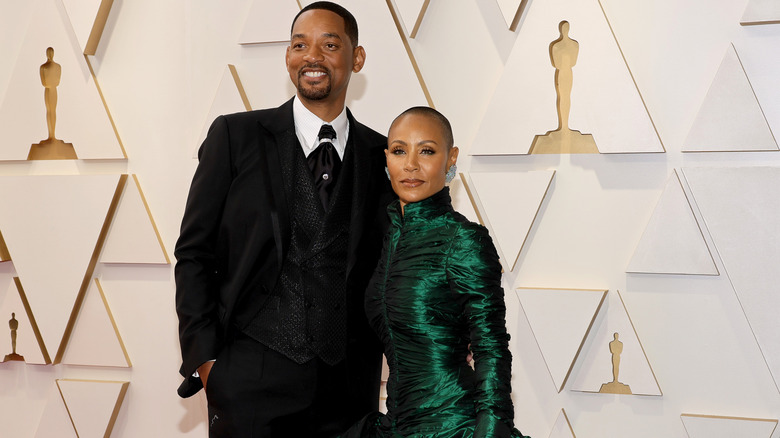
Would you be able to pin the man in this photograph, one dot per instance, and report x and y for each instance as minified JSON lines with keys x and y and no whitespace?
{"x":280,"y":236}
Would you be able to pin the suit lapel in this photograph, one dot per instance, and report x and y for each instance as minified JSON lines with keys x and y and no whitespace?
{"x":277,"y":134}
{"x":361,"y":181}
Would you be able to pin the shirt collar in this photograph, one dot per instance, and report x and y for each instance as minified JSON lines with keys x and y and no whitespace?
{"x":307,"y":127}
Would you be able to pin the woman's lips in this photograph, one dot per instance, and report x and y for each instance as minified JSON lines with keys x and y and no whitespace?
{"x":411,"y":183}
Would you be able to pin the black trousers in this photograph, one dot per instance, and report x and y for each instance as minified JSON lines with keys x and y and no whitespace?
{"x":254,"y":392}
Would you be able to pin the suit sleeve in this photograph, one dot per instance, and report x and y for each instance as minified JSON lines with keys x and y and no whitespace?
{"x":475,"y":274}
{"x":197,"y":268}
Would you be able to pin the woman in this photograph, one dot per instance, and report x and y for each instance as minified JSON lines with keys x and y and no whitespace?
{"x":436,"y":290}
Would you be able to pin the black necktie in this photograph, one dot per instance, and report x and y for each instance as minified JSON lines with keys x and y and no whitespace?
{"x":325,"y":164}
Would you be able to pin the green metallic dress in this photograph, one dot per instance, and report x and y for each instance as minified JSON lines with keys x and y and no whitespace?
{"x":436,"y":290}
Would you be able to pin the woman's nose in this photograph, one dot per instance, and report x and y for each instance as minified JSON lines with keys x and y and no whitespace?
{"x":411,"y":162}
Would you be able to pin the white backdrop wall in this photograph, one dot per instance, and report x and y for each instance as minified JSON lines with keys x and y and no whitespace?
{"x":707,"y":339}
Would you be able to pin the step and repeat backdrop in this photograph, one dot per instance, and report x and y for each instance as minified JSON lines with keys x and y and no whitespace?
{"x":623,"y":155}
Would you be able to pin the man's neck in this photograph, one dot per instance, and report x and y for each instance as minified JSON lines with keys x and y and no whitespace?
{"x":326,"y":109}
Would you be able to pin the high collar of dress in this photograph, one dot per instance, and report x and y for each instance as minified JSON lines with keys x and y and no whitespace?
{"x":425,"y":210}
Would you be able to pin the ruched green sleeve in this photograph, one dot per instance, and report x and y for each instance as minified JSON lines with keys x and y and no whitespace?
{"x":474,"y":273}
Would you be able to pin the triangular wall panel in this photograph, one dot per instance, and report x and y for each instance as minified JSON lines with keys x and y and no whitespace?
{"x":605,"y":101}
{"x":560,"y":321}
{"x":95,"y":340}
{"x":562,"y":427}
{"x":730,"y":118}
{"x":673,"y":242}
{"x":229,"y":98}
{"x":268,"y":21}
{"x":133,"y":236}
{"x":711,"y":426}
{"x":741,"y":209}
{"x":511,"y":11}
{"x":411,"y":13}
{"x":761,"y":12}
{"x":53,"y":226}
{"x":81,"y":116}
{"x":93,"y":405}
{"x":509,"y":221}
{"x":596,"y":362}
{"x":88,"y":18}
{"x":55,"y":421}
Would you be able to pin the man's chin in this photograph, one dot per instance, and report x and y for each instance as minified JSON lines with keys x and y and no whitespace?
{"x":314,"y":94}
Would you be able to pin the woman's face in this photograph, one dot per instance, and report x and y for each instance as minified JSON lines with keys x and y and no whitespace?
{"x":417,"y":157}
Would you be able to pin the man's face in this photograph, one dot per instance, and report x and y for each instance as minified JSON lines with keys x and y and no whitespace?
{"x":320,"y":58}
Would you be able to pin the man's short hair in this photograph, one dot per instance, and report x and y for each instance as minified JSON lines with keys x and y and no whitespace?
{"x":350,"y":24}
{"x":426,"y":111}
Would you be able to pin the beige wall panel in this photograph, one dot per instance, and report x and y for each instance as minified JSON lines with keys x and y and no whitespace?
{"x":511,"y":10}
{"x":673,"y":242}
{"x":730,"y":118}
{"x":509,"y":222}
{"x":562,"y":427}
{"x":55,"y":421}
{"x":88,"y":18}
{"x":595,"y":367}
{"x":27,"y":345}
{"x":132,"y":236}
{"x":93,"y":405}
{"x":388,"y":76}
{"x":81,"y":115}
{"x":560,"y":320}
{"x":761,"y":12}
{"x":605,"y":102}
{"x":96,"y":340}
{"x":711,"y":426}
{"x":411,"y":13}
{"x":229,"y":98}
{"x":268,"y":21}
{"x":51,"y":225}
{"x":741,"y":208}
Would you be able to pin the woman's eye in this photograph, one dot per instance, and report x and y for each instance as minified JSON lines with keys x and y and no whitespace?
{"x":427,"y":152}
{"x":397,"y":151}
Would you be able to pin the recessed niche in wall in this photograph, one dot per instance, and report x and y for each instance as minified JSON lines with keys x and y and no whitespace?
{"x":672,"y":242}
{"x":613,"y":360}
{"x":82,"y":118}
{"x":20,"y":339}
{"x":605,"y":100}
{"x":508,"y":222}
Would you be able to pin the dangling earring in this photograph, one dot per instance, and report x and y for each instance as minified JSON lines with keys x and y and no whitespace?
{"x":387,"y":172}
{"x":450,"y":175}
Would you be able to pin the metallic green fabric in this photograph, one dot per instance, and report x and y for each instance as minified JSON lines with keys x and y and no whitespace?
{"x":436,"y":290}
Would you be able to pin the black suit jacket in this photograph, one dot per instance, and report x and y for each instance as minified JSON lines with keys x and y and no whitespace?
{"x":236,"y":230}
